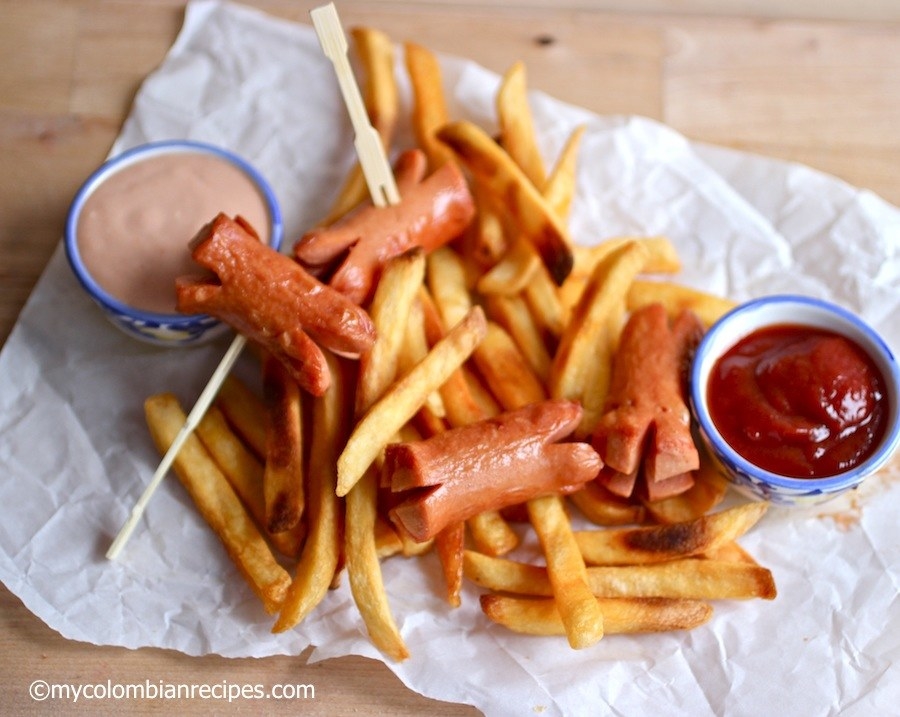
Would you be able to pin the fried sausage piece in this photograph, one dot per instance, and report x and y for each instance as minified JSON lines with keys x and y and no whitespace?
{"x":488,"y":465}
{"x":431,"y":213}
{"x":646,"y":423}
{"x":270,"y":299}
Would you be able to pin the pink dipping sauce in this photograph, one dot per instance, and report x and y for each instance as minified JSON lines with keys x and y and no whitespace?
{"x":135,"y":228}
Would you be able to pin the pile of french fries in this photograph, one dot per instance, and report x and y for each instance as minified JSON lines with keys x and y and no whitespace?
{"x":511,"y":313}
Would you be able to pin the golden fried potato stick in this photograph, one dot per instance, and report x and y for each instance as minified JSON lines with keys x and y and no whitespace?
{"x":245,"y":473}
{"x":493,"y":168}
{"x":578,"y":611}
{"x":583,"y":361}
{"x":245,"y":413}
{"x":217,"y":502}
{"x":539,"y":616}
{"x":559,"y":189}
{"x":447,"y":285}
{"x":601,"y":507}
{"x":514,"y":272}
{"x":381,"y":97}
{"x":491,"y":534}
{"x":405,"y":397}
{"x":707,"y":492}
{"x":322,"y":552}
{"x":517,"y":135}
{"x":506,"y":371}
{"x":676,"y":298}
{"x":390,"y":311}
{"x":429,"y":106}
{"x":284,"y":475}
{"x":688,"y":578}
{"x":512,"y":313}
{"x":636,"y":546}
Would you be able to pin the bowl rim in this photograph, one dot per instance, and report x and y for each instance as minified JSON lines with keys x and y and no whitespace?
{"x":131,"y":156}
{"x":873,"y":344}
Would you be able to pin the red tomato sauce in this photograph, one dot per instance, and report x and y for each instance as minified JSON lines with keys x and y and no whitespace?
{"x":798,"y":401}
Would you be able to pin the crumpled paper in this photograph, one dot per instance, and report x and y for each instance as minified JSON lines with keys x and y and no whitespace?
{"x":76,"y":453}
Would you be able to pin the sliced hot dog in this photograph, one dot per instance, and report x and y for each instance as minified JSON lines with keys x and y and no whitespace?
{"x":272,"y":300}
{"x":431,"y":213}
{"x":488,"y":465}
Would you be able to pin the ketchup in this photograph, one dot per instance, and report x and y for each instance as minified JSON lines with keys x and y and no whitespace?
{"x":798,"y":401}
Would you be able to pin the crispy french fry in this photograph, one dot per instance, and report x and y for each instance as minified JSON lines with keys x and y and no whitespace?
{"x":506,"y":370}
{"x":218,"y":503}
{"x":492,"y":534}
{"x":707,"y":492}
{"x":449,"y":545}
{"x":245,"y":413}
{"x":559,"y":189}
{"x":676,"y":298}
{"x":390,"y":311}
{"x":284,"y":475}
{"x":578,"y":611}
{"x":603,"y":508}
{"x":364,"y":569}
{"x":517,"y":135}
{"x":405,"y":397}
{"x":687,"y":578}
{"x":321,"y":555}
{"x":540,"y":616}
{"x":513,"y":272}
{"x":635,"y":546}
{"x":413,"y":349}
{"x":512,"y":313}
{"x":493,"y":168}
{"x":429,"y":111}
{"x":245,"y":473}
{"x":582,"y":364}
{"x":447,"y":284}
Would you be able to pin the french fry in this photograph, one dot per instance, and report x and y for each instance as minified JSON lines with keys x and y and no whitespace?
{"x":559,"y":189}
{"x":517,"y":135}
{"x":603,"y":508}
{"x":636,"y":546}
{"x":283,"y":477}
{"x":506,"y":370}
{"x":217,"y":502}
{"x":707,"y":492}
{"x":447,"y":285}
{"x":364,"y":569}
{"x":540,"y":616}
{"x":245,"y":412}
{"x":687,"y":578}
{"x":582,"y":363}
{"x":494,"y":169}
{"x":429,"y":111}
{"x":676,"y":298}
{"x":513,"y":272}
{"x":491,"y":534}
{"x":321,"y":555}
{"x":390,"y":311}
{"x":244,"y":472}
{"x":579,"y":614}
{"x":405,"y":397}
{"x":512,"y":313}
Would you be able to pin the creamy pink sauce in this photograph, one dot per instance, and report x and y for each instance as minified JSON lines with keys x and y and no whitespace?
{"x":134,"y":230}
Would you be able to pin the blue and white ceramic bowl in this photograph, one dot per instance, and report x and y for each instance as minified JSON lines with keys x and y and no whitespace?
{"x":161,"y":329}
{"x":749,"y":479}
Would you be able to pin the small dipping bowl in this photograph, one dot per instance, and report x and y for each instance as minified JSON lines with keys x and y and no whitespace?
{"x":748,"y":478}
{"x":129,"y":228}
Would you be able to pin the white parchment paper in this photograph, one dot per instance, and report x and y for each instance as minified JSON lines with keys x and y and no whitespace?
{"x":75,"y":451}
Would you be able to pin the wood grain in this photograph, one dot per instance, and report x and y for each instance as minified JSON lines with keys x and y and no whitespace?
{"x":824,"y":90}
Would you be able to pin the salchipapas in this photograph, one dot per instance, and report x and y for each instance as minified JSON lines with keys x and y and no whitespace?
{"x":488,"y":465}
{"x":273,"y":301}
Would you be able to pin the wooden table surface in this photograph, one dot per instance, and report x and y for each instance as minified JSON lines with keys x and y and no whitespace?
{"x":823,"y":89}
